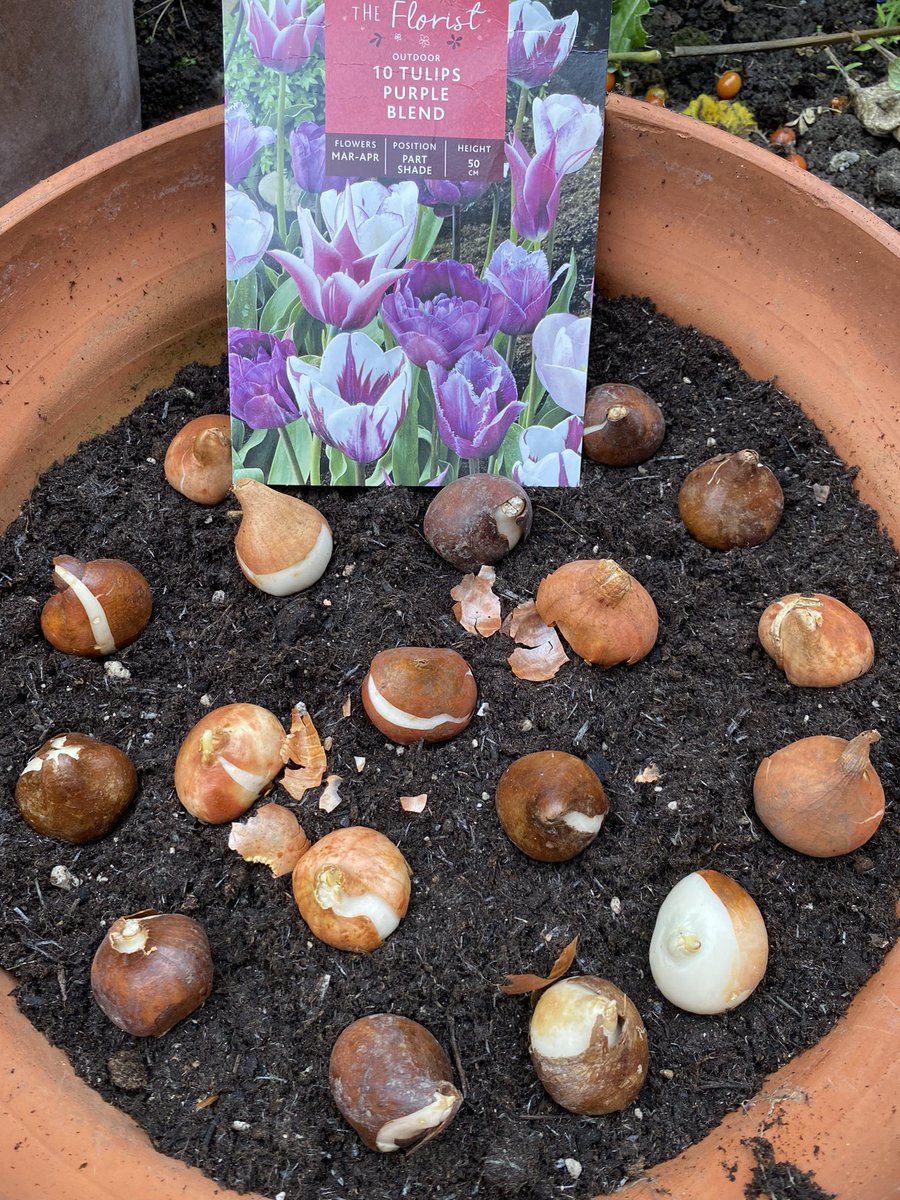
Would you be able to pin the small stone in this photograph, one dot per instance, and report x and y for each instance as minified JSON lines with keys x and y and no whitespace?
{"x":61,"y":877}
{"x":240,"y":1126}
{"x":842,"y":160}
{"x":616,"y":905}
{"x":862,"y":865}
{"x":710,"y":442}
{"x":218,"y":597}
{"x":526,"y":726}
{"x":573,"y":1166}
{"x":821,"y":492}
{"x":887,"y":177}
{"x":667,"y":1074}
{"x":206,"y":700}
{"x":116,"y":670}
{"x":127,"y":1070}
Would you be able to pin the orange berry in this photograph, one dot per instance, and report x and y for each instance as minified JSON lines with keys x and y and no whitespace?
{"x":728,"y":85}
{"x":798,"y":161}
{"x":610,"y":80}
{"x":782,"y":136}
{"x":656,"y":95}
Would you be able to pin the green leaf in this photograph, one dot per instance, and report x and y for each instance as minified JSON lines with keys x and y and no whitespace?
{"x":275,"y":317}
{"x":893,"y":75}
{"x":509,"y":450}
{"x":282,"y":470}
{"x":427,"y":230}
{"x":340,"y":473}
{"x":242,"y":304}
{"x":257,"y":451}
{"x":626,"y":31}
{"x":564,"y":296}
{"x":250,"y":473}
{"x":405,"y":451}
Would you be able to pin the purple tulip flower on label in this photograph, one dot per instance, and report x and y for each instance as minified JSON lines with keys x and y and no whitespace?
{"x":475,"y":402}
{"x":356,"y":398}
{"x":339,"y":282}
{"x":573,"y":128}
{"x":443,"y":195}
{"x":538,"y":43}
{"x":560,"y":345}
{"x":440,"y":311}
{"x":550,"y":457}
{"x":248,"y":232}
{"x":261,"y":394}
{"x":284,"y":35}
{"x":536,"y":188}
{"x":522,"y":278}
{"x":243,"y":141}
{"x":378,"y":216}
{"x":307,"y":145}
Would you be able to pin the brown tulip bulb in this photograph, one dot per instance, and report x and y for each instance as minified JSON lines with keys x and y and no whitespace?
{"x":151,"y":971}
{"x":551,"y":804}
{"x":227,"y":760}
{"x":816,"y":640}
{"x":731,"y":500}
{"x":283,"y":544}
{"x":392,"y":1082}
{"x":416,"y":693}
{"x":623,"y":426}
{"x":821,"y":795}
{"x":602,"y":611}
{"x":75,"y":788}
{"x":198,"y":460}
{"x":100,"y":607}
{"x":352,"y":888}
{"x":476,"y":520}
{"x":589,"y":1045}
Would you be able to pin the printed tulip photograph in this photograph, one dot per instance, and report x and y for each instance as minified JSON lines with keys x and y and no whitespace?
{"x":411,"y":207}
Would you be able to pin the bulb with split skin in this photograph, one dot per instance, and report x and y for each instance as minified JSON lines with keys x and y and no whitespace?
{"x":283,"y":544}
{"x":100,"y":607}
{"x":392,"y":1081}
{"x":709,"y":947}
{"x":198,"y":459}
{"x":551,"y":805}
{"x":476,"y":520}
{"x":418,"y":693}
{"x":352,"y":888}
{"x":816,"y":640}
{"x":589,"y":1045}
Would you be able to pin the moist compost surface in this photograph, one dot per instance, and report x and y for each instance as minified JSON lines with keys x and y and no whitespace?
{"x":241,"y":1088}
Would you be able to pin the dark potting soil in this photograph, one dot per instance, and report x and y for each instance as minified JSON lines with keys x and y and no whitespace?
{"x":240,"y":1088}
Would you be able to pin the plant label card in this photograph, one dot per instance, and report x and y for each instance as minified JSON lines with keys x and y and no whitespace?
{"x":411,"y":203}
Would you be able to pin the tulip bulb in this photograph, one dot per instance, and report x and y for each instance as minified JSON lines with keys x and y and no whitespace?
{"x":75,"y":788}
{"x":602,"y":611}
{"x":352,"y":888}
{"x":589,"y":1045}
{"x":151,"y":971}
{"x":417,"y":693}
{"x":100,"y":607}
{"x":623,"y":426}
{"x":821,"y":795}
{"x":709,"y":947}
{"x":391,"y":1081}
{"x":816,"y":640}
{"x":283,"y":544}
{"x":198,"y":460}
{"x":476,"y":520}
{"x":731,"y":500}
{"x":551,"y":805}
{"x":227,"y":760}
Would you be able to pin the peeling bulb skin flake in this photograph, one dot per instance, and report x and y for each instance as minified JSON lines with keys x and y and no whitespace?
{"x":709,"y":947}
{"x":418,"y":693}
{"x":476,"y":520}
{"x":391,"y":1080}
{"x":100,"y":606}
{"x":551,"y":805}
{"x":283,"y":544}
{"x":588,"y":1045}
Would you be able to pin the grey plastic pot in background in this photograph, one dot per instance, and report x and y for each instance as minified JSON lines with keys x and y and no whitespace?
{"x":68,"y":85}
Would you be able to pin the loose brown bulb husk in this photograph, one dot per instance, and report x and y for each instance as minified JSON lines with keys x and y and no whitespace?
{"x":476,"y":520}
{"x":198,"y":460}
{"x":283,"y":544}
{"x":731,"y":500}
{"x":75,"y":788}
{"x":623,"y":426}
{"x":392,"y":1082}
{"x":551,"y":805}
{"x":272,"y":836}
{"x":151,"y":971}
{"x":419,"y":693}
{"x":589,"y":1045}
{"x":821,"y":795}
{"x":352,"y":888}
{"x":101,"y":606}
{"x":227,"y":760}
{"x":816,"y":640}
{"x":604,"y":614}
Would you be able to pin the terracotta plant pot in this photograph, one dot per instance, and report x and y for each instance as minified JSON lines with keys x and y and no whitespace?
{"x":111,"y":276}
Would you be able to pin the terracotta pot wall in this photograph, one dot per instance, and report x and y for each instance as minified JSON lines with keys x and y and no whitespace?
{"x":111,"y":275}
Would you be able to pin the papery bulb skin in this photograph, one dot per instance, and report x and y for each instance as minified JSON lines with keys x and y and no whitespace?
{"x":352,"y":888}
{"x":623,"y":426}
{"x":151,"y":971}
{"x":589,"y":1045}
{"x":392,"y":1081}
{"x":709,"y":947}
{"x":476,"y":520}
{"x":821,"y":795}
{"x":101,"y":606}
{"x":227,"y":760}
{"x":730,"y":501}
{"x":551,"y":805}
{"x":198,"y":460}
{"x":604,"y":614}
{"x":418,"y":693}
{"x":283,"y":544}
{"x":816,"y":640}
